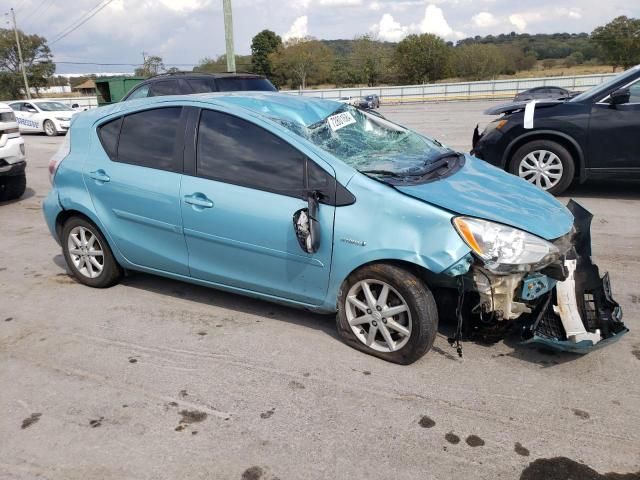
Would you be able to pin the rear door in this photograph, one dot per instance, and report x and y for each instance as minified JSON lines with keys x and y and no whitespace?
{"x":175,"y":86}
{"x":26,"y":116}
{"x":614,"y":139}
{"x":238,"y":202}
{"x":133,"y":175}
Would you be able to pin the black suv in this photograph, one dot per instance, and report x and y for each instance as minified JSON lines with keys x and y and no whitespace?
{"x":550,"y":143}
{"x":185,"y":83}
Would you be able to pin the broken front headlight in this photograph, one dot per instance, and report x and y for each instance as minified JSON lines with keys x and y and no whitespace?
{"x":505,"y":249}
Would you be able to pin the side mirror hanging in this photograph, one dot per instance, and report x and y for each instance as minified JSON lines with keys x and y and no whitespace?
{"x":620,"y":96}
{"x":306,"y":226}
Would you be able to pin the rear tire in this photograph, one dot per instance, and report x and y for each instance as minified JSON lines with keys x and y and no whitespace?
{"x":88,"y":255}
{"x":49,"y":128}
{"x":400,"y":337}
{"x":544,"y":163}
{"x":12,"y":187}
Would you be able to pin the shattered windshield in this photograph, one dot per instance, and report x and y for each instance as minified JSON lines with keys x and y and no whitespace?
{"x":370,"y":143}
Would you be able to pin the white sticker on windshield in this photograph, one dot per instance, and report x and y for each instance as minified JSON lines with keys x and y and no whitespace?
{"x":340,"y":120}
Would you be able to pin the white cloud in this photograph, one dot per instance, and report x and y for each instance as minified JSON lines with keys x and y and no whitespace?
{"x":518,"y":21}
{"x":523,"y":19}
{"x":299,"y":28}
{"x":184,"y":5}
{"x":573,"y":13}
{"x":388,"y":29}
{"x":340,"y":3}
{"x":484,"y":20}
{"x":375,"y":6}
{"x":434,"y":22}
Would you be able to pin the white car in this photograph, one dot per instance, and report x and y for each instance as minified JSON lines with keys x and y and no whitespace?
{"x":48,"y":116}
{"x":354,"y":101}
{"x":13,"y":181}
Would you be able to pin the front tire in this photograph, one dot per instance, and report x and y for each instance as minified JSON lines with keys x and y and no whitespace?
{"x":88,"y":255}
{"x":49,"y":128}
{"x":544,"y":163}
{"x":388,"y":312}
{"x":12,"y":187}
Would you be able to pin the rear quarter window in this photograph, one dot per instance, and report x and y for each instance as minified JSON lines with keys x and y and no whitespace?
{"x":231,"y":84}
{"x":108,"y":135}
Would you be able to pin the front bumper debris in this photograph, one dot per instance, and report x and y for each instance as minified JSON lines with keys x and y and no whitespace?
{"x":579,"y":314}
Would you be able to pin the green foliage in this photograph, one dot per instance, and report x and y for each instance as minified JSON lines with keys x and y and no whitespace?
{"x":478,"y":62}
{"x":219,"y":64}
{"x":422,"y":58}
{"x":37,"y":59}
{"x":541,"y":45}
{"x":619,"y":41}
{"x":367,"y":60}
{"x":343,"y":73}
{"x":153,"y":65}
{"x":262,"y":45}
{"x":303,"y":61}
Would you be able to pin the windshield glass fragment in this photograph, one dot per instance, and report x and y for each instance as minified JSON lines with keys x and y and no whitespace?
{"x":370,"y":143}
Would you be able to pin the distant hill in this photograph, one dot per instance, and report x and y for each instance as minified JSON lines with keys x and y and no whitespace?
{"x":343,"y":48}
{"x":544,"y":46}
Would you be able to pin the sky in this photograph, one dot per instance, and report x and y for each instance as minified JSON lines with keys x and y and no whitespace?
{"x":184,"y":31}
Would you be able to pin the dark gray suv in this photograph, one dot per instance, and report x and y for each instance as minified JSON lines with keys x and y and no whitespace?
{"x":185,"y":83}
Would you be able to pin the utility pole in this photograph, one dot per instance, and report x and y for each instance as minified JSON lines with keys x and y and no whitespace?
{"x":24,"y":71}
{"x":228,"y":35}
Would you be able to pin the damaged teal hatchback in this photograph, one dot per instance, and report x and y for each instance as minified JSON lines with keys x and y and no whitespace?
{"x":320,"y":205}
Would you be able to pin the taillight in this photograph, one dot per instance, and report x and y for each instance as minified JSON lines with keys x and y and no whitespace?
{"x":59,"y":156}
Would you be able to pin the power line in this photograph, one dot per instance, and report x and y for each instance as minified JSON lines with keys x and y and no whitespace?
{"x":34,"y":11}
{"x":88,"y":17}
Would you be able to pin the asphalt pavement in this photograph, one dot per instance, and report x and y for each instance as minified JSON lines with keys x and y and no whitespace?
{"x":157,"y":379}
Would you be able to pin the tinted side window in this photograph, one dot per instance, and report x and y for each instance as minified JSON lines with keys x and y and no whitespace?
{"x":634,"y":90}
{"x":149,"y":138}
{"x":231,"y":84}
{"x":235,"y":151}
{"x":141,"y":92}
{"x":166,"y":87}
{"x":202,"y":85}
{"x":108,"y":134}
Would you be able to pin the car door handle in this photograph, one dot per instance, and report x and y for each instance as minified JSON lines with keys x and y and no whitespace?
{"x":198,"y":200}
{"x":100,"y":176}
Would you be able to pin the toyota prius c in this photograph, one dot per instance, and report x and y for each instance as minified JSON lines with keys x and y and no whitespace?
{"x":320,"y":205}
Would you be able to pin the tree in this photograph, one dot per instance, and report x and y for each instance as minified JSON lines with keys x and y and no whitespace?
{"x":303,"y":61}
{"x":262,"y":46}
{"x":619,"y":41}
{"x":343,"y":74}
{"x":153,"y":65}
{"x":367,"y":60}
{"x":219,"y":64}
{"x":422,"y":58}
{"x":477,"y":61}
{"x":37,"y":59}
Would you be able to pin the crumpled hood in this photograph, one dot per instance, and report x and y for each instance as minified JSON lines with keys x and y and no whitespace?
{"x":484,"y":191}
{"x":520,"y":105}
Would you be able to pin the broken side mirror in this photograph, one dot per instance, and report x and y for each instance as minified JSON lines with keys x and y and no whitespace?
{"x":306,"y":226}
{"x":620,"y":96}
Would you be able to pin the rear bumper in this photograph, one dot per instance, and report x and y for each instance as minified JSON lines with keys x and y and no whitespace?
{"x":51,"y":208}
{"x":12,"y":169}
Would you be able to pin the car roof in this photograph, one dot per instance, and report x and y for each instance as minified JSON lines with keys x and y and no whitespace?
{"x":282,"y":106}
{"x":205,"y":74}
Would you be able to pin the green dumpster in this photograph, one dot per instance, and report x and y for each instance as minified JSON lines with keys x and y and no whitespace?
{"x":112,"y":89}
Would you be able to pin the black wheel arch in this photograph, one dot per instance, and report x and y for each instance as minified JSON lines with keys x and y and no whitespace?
{"x":563,"y":139}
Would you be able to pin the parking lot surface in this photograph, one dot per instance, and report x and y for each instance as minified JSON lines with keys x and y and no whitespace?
{"x":157,"y":379}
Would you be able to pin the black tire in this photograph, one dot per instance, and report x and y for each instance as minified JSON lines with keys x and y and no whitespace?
{"x":52,"y":132}
{"x":12,"y":187}
{"x":111,"y":270}
{"x":568,"y":163}
{"x":419,"y":299}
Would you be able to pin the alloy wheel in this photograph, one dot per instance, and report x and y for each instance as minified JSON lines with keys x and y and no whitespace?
{"x":49,"y":128}
{"x":543,"y":168}
{"x":86,"y":252}
{"x":378,"y":315}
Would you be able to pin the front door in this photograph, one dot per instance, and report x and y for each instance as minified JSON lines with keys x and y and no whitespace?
{"x":133,"y":174}
{"x":614,"y":139}
{"x":238,"y":209}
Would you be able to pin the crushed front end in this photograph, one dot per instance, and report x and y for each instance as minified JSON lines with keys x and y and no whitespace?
{"x":554,"y":295}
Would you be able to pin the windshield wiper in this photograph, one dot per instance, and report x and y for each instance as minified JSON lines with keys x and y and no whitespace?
{"x":390,"y":173}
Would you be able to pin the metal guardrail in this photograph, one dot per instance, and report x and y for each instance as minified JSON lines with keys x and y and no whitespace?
{"x":438,"y":92}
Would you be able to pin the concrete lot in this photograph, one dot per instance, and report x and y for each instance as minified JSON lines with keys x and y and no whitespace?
{"x":157,"y":379}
